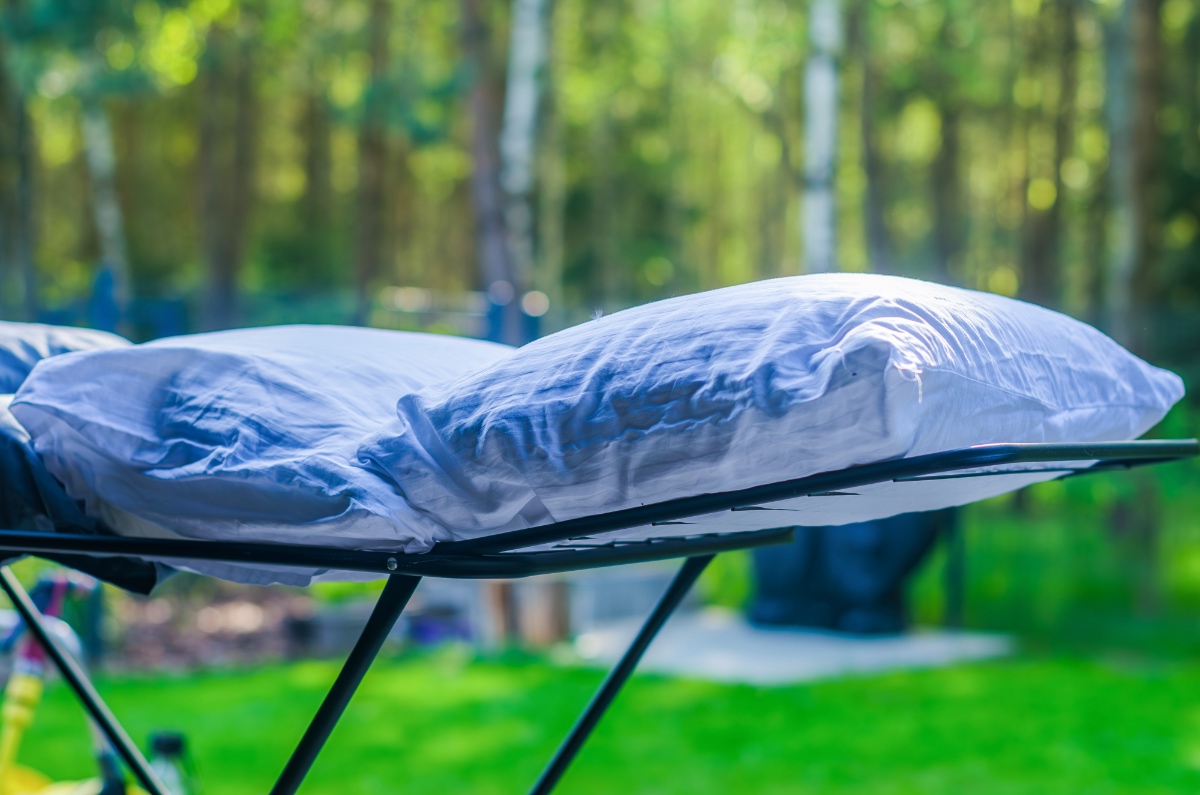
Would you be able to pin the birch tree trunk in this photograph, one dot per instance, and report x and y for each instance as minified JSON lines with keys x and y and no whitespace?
{"x":552,"y":195}
{"x":820,"y":136}
{"x":106,"y":210}
{"x":495,"y":265}
{"x":518,"y":135}
{"x":372,"y":166}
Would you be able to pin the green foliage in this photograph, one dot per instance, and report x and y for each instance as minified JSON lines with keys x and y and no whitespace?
{"x":676,"y":129}
{"x":1049,"y":567}
{"x":728,"y":581}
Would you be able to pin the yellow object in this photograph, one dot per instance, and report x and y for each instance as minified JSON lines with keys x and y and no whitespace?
{"x":21,"y":697}
{"x":18,"y":780}
{"x":24,"y":781}
{"x":90,"y":787}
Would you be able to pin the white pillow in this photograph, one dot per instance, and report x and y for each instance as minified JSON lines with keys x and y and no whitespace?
{"x":756,"y":384}
{"x":23,"y":345}
{"x":246,"y":435}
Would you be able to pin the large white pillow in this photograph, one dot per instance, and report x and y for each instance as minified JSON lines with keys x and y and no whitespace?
{"x":757,"y":384}
{"x":23,"y":345}
{"x":246,"y":435}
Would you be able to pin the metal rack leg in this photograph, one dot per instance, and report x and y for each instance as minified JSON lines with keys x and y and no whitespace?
{"x":679,"y":587}
{"x":78,"y":681}
{"x":395,"y":596}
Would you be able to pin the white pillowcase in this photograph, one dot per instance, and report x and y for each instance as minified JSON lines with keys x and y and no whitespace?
{"x":756,"y":384}
{"x":373,"y":439}
{"x":23,"y":345}
{"x":241,"y":435}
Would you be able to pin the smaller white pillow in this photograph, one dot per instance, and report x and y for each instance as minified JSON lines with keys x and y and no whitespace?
{"x":23,"y":345}
{"x":246,"y":435}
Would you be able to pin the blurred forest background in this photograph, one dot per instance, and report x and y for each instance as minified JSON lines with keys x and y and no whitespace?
{"x":504,"y":168}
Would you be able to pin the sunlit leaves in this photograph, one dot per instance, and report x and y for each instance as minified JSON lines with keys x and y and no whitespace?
{"x":918,"y":133}
{"x":348,"y":80}
{"x":172,"y":48}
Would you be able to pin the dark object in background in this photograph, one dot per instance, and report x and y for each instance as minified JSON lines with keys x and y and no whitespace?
{"x":849,"y":578}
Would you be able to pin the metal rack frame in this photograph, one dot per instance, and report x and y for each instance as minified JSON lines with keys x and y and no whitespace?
{"x":508,"y":555}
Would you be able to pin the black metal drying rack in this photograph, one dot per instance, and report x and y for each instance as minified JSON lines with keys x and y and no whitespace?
{"x":559,"y":549}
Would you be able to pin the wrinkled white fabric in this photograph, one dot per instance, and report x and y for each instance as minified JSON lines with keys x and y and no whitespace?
{"x":23,"y":345}
{"x":373,"y":439}
{"x":246,"y":435}
{"x":755,"y":384}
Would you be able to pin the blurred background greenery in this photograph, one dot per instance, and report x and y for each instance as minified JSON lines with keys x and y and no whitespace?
{"x":233,"y":162}
{"x":506,"y":169}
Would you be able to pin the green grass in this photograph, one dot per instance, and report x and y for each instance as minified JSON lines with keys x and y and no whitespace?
{"x":442,"y":724}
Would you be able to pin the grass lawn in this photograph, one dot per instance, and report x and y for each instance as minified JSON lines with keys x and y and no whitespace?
{"x":443,"y":724}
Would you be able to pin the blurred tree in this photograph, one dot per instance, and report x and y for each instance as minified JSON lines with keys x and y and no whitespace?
{"x":370,"y":239}
{"x":878,"y":238}
{"x":949,"y":216}
{"x":18,"y":276}
{"x":272,"y":160}
{"x":821,"y":134}
{"x":225,"y":160}
{"x":1041,"y":248}
{"x":519,"y":132}
{"x":498,"y":274}
{"x":106,"y":209}
{"x":1134,"y":86}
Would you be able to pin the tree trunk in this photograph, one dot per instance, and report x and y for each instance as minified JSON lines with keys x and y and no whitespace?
{"x":1190,"y":91}
{"x":1145,"y":147}
{"x":820,"y":136}
{"x":25,"y":230}
{"x":1135,"y":66}
{"x":9,"y":273}
{"x":1135,"y":72}
{"x":317,"y":202}
{"x":226,"y":161}
{"x":242,"y":184}
{"x":210,"y":176}
{"x":1119,"y":106}
{"x":518,"y":135}
{"x":372,"y":165}
{"x":603,"y":216}
{"x":949,"y":222}
{"x":1041,"y":257}
{"x":552,"y":200}
{"x":106,"y":210}
{"x":16,"y":201}
{"x":879,"y":243}
{"x":495,"y":265}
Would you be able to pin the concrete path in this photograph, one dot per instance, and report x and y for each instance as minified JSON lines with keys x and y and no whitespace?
{"x":720,"y":646}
